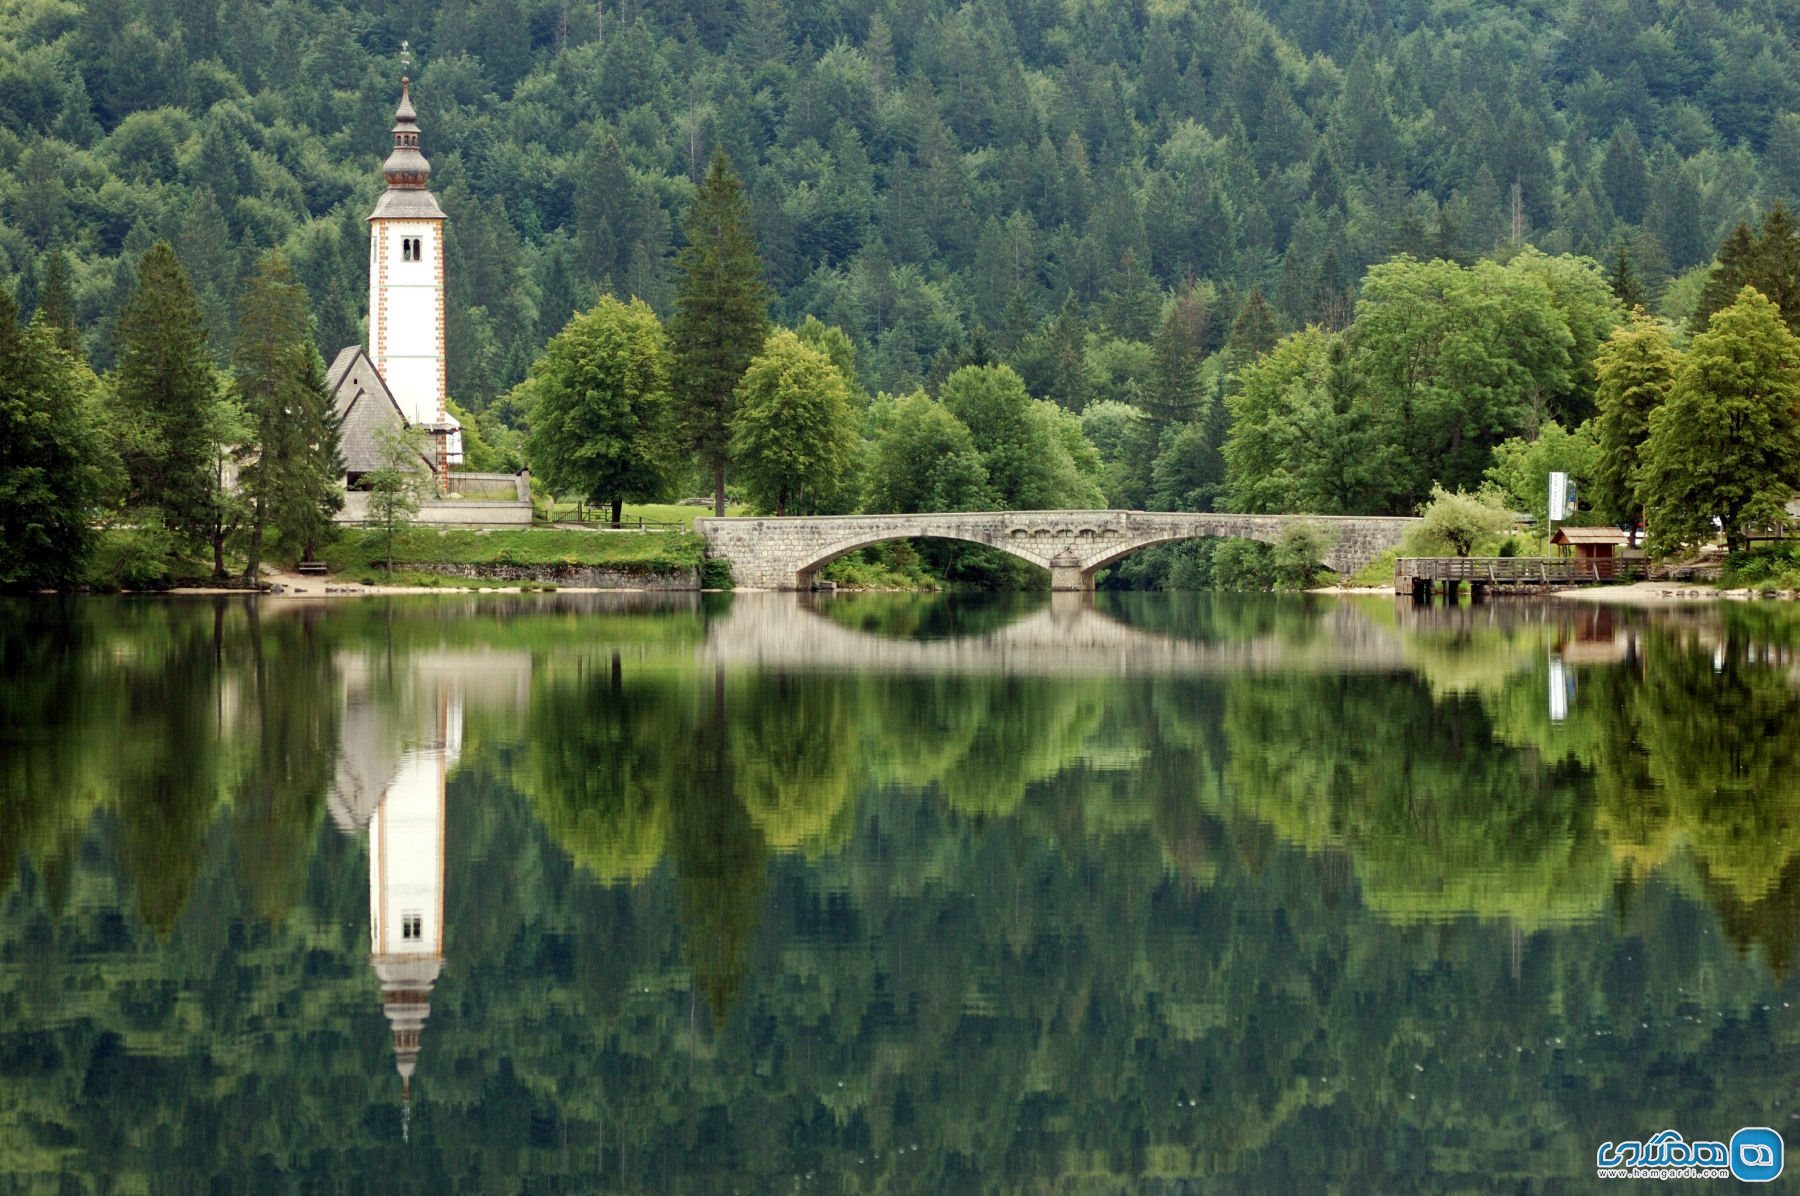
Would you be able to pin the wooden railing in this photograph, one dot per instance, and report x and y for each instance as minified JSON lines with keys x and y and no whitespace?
{"x":1511,"y":570}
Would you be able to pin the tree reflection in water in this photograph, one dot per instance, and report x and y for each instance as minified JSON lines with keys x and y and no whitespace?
{"x":1313,"y":892}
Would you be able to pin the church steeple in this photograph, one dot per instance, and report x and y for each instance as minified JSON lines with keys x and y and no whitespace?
{"x":406,"y":289}
{"x":406,"y":167}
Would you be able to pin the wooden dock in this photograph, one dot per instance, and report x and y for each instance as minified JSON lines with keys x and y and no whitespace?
{"x":1484,"y":575}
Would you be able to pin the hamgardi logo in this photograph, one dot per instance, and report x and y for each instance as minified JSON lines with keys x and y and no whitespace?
{"x":1754,"y":1156}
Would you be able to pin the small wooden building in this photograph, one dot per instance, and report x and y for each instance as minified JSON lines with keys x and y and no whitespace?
{"x":1590,"y":543}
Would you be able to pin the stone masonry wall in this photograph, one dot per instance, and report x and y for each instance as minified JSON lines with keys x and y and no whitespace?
{"x":783,"y":554}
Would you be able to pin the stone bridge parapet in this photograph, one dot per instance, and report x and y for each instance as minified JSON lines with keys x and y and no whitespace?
{"x":787,"y":553}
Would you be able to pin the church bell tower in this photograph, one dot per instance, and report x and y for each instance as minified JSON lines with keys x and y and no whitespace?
{"x":406,"y":287}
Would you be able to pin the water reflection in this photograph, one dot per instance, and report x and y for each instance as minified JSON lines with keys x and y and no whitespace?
{"x":1128,"y":892}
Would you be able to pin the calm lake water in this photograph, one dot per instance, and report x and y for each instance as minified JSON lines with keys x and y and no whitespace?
{"x":888,"y":893}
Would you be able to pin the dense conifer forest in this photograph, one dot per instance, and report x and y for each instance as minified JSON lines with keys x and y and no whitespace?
{"x":1026,"y":176}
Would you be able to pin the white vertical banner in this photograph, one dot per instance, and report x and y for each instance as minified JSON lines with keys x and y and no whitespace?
{"x":1559,"y":690}
{"x":1559,"y":496}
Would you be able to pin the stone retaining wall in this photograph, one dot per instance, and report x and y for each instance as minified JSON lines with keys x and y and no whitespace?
{"x":581,"y":577}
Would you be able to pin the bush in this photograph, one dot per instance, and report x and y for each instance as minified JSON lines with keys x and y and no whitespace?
{"x":1243,"y":565}
{"x":1297,"y":559}
{"x":1455,"y":522}
{"x":1767,"y":563}
{"x":715,"y":573}
{"x":132,"y":558}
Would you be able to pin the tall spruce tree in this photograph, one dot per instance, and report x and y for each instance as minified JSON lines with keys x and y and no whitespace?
{"x":721,"y":317}
{"x":53,"y":456}
{"x":1768,"y":259}
{"x":167,"y":393}
{"x":56,"y":304}
{"x":292,"y":467}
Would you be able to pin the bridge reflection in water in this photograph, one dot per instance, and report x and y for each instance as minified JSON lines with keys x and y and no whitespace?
{"x":1068,"y":636}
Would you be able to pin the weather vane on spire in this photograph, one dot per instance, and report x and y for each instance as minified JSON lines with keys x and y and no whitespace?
{"x":405,"y":53}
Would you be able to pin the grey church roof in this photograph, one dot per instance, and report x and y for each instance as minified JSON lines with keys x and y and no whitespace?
{"x":364,"y":406}
{"x":397,"y":204}
{"x":340,"y":365}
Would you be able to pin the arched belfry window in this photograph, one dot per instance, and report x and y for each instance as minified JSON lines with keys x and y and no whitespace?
{"x":410,"y":250}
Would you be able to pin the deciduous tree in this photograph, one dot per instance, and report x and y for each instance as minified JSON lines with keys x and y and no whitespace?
{"x":923,"y":459}
{"x":398,"y":486}
{"x":601,"y":418}
{"x":793,"y":434}
{"x":1726,"y":444}
{"x":1636,"y":368}
{"x":1458,"y":521}
{"x":54,"y":456}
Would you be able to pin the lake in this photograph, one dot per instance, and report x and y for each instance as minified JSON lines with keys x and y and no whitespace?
{"x":888,"y":893}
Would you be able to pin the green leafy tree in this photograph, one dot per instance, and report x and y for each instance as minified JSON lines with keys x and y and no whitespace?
{"x":1456,"y":360}
{"x":1024,"y":443}
{"x":793,"y":434}
{"x":923,"y":458}
{"x":600,"y":408}
{"x":398,"y":485}
{"x":1273,"y":414}
{"x":1726,"y":444}
{"x":721,"y":316}
{"x":1636,"y":367}
{"x":166,"y":392}
{"x":55,"y":456}
{"x":1522,"y":468}
{"x":293,"y":472}
{"x":1457,"y":521}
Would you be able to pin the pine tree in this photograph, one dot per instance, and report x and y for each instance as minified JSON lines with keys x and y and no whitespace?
{"x":1173,"y":396}
{"x":290,"y":480}
{"x":166,"y":392}
{"x":721,"y":317}
{"x":1253,"y":333}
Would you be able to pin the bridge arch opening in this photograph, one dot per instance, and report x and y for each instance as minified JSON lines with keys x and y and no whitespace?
{"x":807,"y":575}
{"x":1257,"y":571}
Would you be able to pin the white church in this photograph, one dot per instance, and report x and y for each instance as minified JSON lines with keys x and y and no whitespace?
{"x":400,"y":378}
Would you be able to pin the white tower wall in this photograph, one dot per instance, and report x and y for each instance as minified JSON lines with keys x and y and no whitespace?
{"x":406,"y":314}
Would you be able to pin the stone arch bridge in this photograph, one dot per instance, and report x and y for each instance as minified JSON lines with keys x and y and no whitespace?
{"x":787,"y":553}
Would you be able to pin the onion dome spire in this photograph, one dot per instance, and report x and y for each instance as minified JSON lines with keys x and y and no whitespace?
{"x":406,"y":168}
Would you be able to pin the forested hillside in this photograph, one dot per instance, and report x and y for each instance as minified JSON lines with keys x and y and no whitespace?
{"x":1032,"y":177}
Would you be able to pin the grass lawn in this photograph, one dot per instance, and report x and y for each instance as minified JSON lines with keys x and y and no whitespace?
{"x":656,"y":512}
{"x":359,"y":551}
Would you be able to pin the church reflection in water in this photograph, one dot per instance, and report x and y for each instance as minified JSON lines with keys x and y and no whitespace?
{"x":402,"y":738}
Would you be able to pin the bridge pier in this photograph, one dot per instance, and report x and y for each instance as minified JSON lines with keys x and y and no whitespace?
{"x":1070,"y":577}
